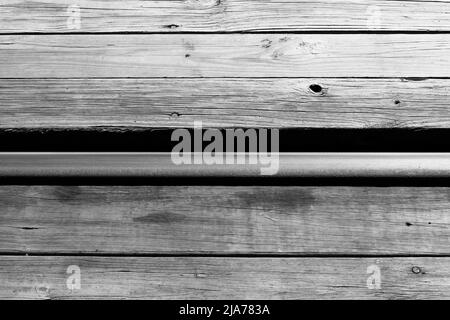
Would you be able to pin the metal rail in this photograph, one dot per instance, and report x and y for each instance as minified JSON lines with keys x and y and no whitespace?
{"x":360,"y":165}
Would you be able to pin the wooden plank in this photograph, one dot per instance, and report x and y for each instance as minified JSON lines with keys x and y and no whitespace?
{"x":282,"y":103}
{"x":222,"y":55}
{"x":224,"y":278}
{"x":160,"y":165}
{"x":224,"y":15}
{"x":224,"y":219}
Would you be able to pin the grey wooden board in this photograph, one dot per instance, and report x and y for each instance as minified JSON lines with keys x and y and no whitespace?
{"x":224,"y":219}
{"x":282,"y":103}
{"x":225,"y":15}
{"x":224,"y":278}
{"x":225,"y":55}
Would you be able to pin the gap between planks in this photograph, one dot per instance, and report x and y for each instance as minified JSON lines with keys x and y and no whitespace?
{"x":269,"y":255}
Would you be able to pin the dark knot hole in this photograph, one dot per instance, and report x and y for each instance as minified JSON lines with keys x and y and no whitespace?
{"x":316,"y":88}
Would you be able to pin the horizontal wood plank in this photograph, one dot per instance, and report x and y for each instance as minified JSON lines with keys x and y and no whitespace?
{"x":223,"y":15}
{"x":224,"y":278}
{"x":224,"y":219}
{"x":151,"y":166}
{"x":225,"y":55}
{"x":282,"y":103}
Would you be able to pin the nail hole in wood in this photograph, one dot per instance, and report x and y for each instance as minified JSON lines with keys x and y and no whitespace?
{"x":416,"y":270}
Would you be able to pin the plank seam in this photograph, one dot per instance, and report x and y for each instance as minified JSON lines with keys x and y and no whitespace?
{"x":259,"y":32}
{"x":230,"y":78}
{"x":217,"y":255}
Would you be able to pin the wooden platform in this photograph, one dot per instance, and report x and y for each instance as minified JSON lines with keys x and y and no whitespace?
{"x":341,"y":64}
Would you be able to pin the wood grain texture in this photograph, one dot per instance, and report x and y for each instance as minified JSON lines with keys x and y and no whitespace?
{"x":282,"y":103}
{"x":224,"y":219}
{"x":224,"y":15}
{"x":222,"y":55}
{"x":151,"y":166}
{"x":224,"y":278}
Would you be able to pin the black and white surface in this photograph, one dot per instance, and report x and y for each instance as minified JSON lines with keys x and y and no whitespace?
{"x":333,"y":76}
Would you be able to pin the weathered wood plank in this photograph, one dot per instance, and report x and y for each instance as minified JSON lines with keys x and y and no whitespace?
{"x":224,"y":15}
{"x":224,"y":278}
{"x":282,"y":103}
{"x":224,"y":219}
{"x":222,"y":55}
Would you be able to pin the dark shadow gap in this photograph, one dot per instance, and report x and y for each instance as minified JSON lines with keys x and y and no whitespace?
{"x":159,"y":140}
{"x":258,"y":181}
{"x":221,"y":255}
{"x":272,"y":31}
